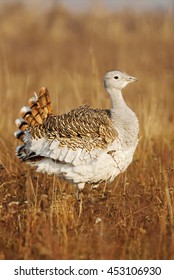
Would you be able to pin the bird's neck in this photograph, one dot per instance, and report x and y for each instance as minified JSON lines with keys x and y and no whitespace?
{"x":121,"y":114}
{"x":117,"y":100}
{"x":123,"y":118}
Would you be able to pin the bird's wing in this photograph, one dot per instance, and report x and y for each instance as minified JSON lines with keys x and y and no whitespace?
{"x":75,"y":137}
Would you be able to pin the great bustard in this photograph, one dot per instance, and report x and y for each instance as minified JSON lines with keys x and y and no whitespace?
{"x":85,"y":145}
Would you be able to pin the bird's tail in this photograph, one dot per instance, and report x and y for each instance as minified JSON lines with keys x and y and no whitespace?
{"x":33,"y":115}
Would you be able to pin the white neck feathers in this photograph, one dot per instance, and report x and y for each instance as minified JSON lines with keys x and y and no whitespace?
{"x":116,"y":96}
{"x":123,"y":118}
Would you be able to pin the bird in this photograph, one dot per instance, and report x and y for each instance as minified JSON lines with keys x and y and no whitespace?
{"x":84,"y":145}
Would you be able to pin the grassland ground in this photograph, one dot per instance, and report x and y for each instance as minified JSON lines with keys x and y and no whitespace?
{"x":132,"y":218}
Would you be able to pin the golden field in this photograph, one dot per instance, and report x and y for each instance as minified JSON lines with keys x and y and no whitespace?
{"x":132,"y":218}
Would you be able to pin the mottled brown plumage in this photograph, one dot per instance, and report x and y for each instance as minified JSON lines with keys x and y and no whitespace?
{"x":83,"y":127}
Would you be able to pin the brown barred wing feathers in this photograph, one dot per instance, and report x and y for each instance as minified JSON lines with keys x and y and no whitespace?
{"x":84,"y":127}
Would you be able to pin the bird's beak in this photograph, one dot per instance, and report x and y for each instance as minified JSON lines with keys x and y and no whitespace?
{"x":131,"y":79}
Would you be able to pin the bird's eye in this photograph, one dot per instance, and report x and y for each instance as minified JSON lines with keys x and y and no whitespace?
{"x":116,"y":77}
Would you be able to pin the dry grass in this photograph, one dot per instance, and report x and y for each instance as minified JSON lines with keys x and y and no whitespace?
{"x":133,"y":217}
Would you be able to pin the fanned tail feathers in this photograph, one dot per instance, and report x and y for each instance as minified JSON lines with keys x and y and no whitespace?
{"x":31,"y":116}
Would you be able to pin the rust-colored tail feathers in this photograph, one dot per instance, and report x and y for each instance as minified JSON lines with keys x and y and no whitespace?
{"x":33,"y":115}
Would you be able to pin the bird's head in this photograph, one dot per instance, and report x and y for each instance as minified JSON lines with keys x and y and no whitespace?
{"x":117,"y":80}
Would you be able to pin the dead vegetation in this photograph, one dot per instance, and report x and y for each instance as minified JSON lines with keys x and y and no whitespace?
{"x":132,"y":218}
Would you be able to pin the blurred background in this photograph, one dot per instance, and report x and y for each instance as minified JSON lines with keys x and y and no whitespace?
{"x":81,"y":5}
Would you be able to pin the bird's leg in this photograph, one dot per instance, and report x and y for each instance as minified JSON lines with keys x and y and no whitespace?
{"x":78,"y":194}
{"x":94,"y":186}
{"x":80,"y":186}
{"x":104,"y":189}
